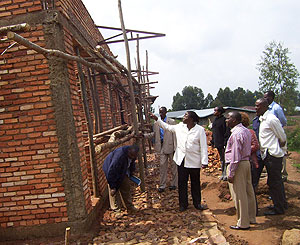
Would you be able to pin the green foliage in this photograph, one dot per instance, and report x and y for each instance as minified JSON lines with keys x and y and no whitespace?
{"x":293,"y":133}
{"x":277,"y":73}
{"x":191,"y":98}
{"x":236,"y":98}
{"x":293,"y":138}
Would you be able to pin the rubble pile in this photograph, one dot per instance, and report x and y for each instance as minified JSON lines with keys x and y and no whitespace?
{"x":158,"y":220}
{"x":214,"y":162}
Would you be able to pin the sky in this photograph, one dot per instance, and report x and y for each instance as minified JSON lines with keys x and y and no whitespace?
{"x":209,"y":44}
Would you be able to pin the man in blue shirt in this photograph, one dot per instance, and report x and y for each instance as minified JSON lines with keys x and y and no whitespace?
{"x":276,"y":109}
{"x":118,"y":167}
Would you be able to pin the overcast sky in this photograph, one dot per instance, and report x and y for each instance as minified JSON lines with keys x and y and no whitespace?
{"x":209,"y":44}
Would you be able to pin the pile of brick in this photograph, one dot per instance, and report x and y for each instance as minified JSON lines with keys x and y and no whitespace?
{"x":214,"y":162}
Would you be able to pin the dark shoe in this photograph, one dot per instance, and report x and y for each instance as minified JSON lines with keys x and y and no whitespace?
{"x":201,"y":207}
{"x":235,"y":227}
{"x":182,"y":209}
{"x":271,"y":207}
{"x":271,"y":212}
{"x":172,"y":188}
{"x":160,"y":190}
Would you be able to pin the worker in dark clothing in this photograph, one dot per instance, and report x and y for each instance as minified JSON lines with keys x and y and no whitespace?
{"x":118,"y":167}
{"x":220,"y":136}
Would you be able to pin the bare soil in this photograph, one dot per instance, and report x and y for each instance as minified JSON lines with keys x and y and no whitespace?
{"x":269,"y":229}
{"x":159,"y":222}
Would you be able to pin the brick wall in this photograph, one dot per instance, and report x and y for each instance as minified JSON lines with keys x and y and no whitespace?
{"x":36,"y":175}
{"x":31,"y":189}
{"x":11,"y":8}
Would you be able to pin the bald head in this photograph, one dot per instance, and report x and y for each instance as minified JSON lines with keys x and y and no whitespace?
{"x":233,"y":119}
{"x":261,"y":106}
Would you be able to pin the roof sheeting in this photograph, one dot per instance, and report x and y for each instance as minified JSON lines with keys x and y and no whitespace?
{"x":204,"y":112}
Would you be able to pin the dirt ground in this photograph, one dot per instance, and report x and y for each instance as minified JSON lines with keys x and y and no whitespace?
{"x":269,"y":229}
{"x":159,"y":222}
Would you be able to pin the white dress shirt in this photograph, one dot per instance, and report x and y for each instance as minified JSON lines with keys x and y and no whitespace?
{"x":191,"y":144}
{"x":270,"y":131}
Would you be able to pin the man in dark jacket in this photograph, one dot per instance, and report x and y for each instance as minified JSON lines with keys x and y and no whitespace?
{"x":220,"y":136}
{"x":118,"y":167}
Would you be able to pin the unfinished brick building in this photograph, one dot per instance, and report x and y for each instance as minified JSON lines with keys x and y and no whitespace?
{"x":45,"y":168}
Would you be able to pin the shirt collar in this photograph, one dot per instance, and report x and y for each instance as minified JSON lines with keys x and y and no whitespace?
{"x":264,"y":116}
{"x":271,"y":105}
{"x":236,"y":126}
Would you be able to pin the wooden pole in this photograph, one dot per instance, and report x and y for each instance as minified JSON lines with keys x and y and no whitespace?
{"x":148,"y":106}
{"x":52,"y":52}
{"x":93,"y":95}
{"x":19,"y":27}
{"x":133,"y":108}
{"x":89,"y":128}
{"x":67,"y":236}
{"x":97,"y":99}
{"x":140,"y":99}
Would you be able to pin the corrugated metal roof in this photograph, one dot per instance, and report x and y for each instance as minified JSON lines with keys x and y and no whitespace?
{"x":204,"y":112}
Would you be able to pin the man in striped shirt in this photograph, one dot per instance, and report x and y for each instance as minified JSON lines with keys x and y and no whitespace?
{"x":237,"y":153}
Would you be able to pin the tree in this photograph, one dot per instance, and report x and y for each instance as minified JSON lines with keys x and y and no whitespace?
{"x":191,"y":98}
{"x":208,"y":100}
{"x":277,"y":73}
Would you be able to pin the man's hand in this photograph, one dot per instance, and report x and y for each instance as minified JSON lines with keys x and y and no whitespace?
{"x":113,"y":192}
{"x":153,"y":116}
{"x":282,"y":144}
{"x":230,"y":179}
{"x":204,"y":166}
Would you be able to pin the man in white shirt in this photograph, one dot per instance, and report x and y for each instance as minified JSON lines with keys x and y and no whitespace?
{"x":272,"y":140}
{"x":276,"y":109}
{"x":190,"y":155}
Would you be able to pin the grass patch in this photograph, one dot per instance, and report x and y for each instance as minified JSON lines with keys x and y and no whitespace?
{"x":293,"y":134}
{"x":297,"y":165}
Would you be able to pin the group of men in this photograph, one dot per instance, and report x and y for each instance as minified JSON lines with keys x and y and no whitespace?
{"x":272,"y":141}
{"x":184,"y":147}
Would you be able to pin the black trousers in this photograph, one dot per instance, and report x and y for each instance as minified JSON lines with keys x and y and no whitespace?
{"x":275,"y":183}
{"x":256,"y":173}
{"x":183,"y":177}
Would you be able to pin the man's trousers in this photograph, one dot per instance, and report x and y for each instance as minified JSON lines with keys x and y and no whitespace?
{"x":183,"y":177}
{"x":125,"y":191}
{"x":165,"y":159}
{"x":243,"y":195}
{"x":275,"y":182}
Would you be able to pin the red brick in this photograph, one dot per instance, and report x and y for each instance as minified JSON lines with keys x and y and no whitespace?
{"x":5,"y":2}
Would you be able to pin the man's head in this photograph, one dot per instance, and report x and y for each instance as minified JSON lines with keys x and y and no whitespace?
{"x":233,"y":119}
{"x":133,"y":152}
{"x":269,"y":96}
{"x":162,"y":112}
{"x":261,"y":106}
{"x":190,"y":117}
{"x":219,"y":110}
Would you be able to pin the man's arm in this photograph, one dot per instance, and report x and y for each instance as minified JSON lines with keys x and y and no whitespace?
{"x":235,"y":157}
{"x":162,"y":124}
{"x":280,"y":115}
{"x":278,"y":130}
{"x":203,"y":148}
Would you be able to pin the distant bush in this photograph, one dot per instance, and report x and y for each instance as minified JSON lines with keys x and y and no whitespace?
{"x":293,"y":138}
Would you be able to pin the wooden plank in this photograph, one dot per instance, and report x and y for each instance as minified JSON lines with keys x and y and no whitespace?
{"x":89,"y":128}
{"x":133,"y":109}
{"x":52,"y":52}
